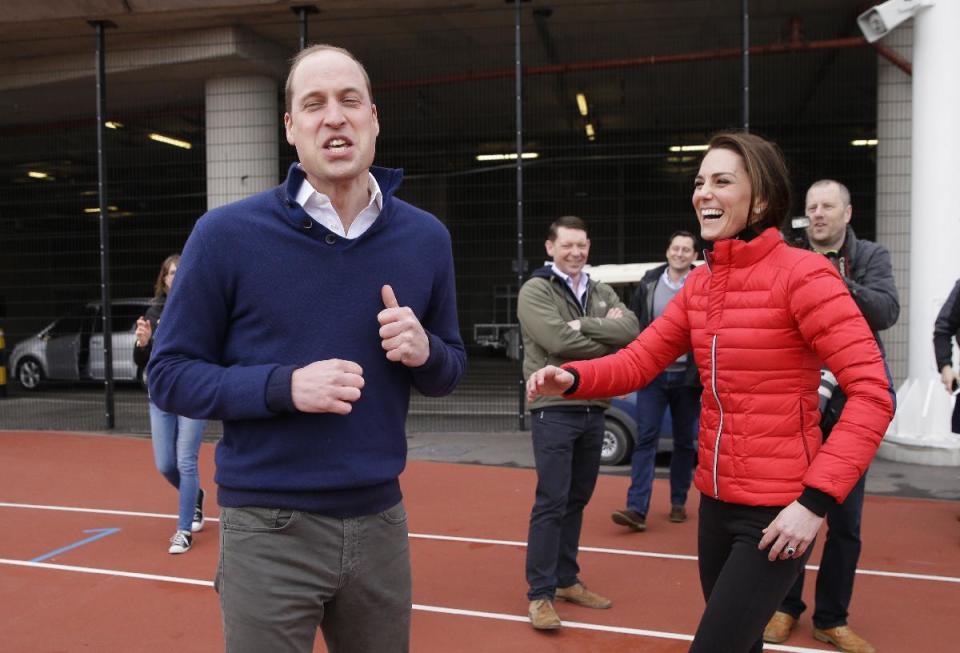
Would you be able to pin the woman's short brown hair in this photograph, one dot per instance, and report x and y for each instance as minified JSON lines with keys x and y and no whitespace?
{"x":769,"y":177}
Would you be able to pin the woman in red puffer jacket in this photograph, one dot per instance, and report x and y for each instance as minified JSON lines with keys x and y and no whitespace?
{"x":760,"y":317}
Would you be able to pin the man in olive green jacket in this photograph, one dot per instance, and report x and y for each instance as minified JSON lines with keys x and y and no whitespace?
{"x":564,"y":316}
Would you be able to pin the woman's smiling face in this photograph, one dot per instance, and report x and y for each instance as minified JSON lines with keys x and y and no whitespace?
{"x":721,"y":195}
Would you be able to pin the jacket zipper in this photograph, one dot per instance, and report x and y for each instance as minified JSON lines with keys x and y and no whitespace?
{"x":716,"y":397}
{"x":803,"y":435}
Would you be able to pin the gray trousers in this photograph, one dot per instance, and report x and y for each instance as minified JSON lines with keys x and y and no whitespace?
{"x":283,"y":574}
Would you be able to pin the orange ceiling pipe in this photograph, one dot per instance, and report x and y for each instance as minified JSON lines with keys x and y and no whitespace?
{"x":794,"y":45}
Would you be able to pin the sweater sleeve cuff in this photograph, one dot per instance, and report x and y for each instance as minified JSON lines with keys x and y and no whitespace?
{"x":816,"y":501}
{"x":279,"y":394}
{"x":576,"y":381}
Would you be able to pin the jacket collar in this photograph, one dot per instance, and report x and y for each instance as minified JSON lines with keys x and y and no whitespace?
{"x":741,"y":254}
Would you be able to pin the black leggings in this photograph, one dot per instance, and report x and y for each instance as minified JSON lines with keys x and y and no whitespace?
{"x":741,"y":587}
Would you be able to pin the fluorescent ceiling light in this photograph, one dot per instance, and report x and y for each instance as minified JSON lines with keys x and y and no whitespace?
{"x":97,"y":210}
{"x":113,"y":124}
{"x":176,"y":142}
{"x":36,"y":174}
{"x":591,"y":132}
{"x":864,"y":142}
{"x":507,"y":157}
{"x":688,"y":148}
{"x":582,"y":104}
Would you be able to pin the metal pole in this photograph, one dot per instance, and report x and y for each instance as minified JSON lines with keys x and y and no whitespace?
{"x":745,"y":58}
{"x":105,"y":312}
{"x":518,"y":73}
{"x":303,"y":11}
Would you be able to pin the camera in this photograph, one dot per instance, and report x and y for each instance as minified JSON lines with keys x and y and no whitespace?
{"x":795,"y":231}
{"x":877,"y":22}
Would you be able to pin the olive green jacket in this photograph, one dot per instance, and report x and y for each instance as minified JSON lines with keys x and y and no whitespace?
{"x":544,"y":307}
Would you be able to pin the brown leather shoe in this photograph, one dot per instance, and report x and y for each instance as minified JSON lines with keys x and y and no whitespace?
{"x":844,"y":639}
{"x":543,"y":616}
{"x":630,"y":518}
{"x":779,"y":627}
{"x":580,"y":595}
{"x":678,"y":514}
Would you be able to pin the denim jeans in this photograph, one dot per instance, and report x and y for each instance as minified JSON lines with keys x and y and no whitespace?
{"x":838,"y":566}
{"x":665,"y":391}
{"x":176,"y":447}
{"x":566,"y":448}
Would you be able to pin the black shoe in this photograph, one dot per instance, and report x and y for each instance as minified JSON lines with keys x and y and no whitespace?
{"x":180,"y":542}
{"x":197,"y":524}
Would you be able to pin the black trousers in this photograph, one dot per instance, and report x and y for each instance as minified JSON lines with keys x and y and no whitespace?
{"x":741,"y":587}
{"x":838,"y":566}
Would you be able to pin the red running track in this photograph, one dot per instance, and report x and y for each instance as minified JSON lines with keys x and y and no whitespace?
{"x":123,"y":592}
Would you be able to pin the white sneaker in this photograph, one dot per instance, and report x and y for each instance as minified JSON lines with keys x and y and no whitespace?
{"x":180,"y":542}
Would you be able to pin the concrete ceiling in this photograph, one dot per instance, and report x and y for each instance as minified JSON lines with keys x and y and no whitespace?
{"x":413,"y":47}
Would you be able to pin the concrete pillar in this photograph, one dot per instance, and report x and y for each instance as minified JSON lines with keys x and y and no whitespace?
{"x":243,"y":127}
{"x":935,"y":229}
{"x":921,"y":430}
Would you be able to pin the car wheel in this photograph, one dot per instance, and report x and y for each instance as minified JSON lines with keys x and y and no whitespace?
{"x":29,"y":373}
{"x":617,"y":443}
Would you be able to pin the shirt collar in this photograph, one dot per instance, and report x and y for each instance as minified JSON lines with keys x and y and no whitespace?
{"x":308,"y":194}
{"x":584,"y":280}
{"x":669,"y":281}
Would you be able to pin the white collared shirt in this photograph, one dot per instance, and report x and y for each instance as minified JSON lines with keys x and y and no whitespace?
{"x":580,"y":291}
{"x":319,"y":207}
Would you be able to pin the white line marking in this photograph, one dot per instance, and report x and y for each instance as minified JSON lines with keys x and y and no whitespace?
{"x":497,"y":616}
{"x":480,"y":540}
{"x":106,"y":572}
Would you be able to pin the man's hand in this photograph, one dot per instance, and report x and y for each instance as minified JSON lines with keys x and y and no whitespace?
{"x":144,"y":331}
{"x":949,"y":376}
{"x":614,"y":313}
{"x":548,"y":381}
{"x":794,"y":527}
{"x":403,"y":337}
{"x":329,"y":386}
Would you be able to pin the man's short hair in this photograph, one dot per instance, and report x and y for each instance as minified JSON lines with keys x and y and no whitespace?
{"x":567,"y":221}
{"x":684,"y":234}
{"x":313,"y":49}
{"x":844,"y":191}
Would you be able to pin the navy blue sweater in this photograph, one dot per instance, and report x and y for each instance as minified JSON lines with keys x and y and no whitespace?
{"x":261,"y":290}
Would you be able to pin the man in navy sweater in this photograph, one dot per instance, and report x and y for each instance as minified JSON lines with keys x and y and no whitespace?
{"x":302,"y":316}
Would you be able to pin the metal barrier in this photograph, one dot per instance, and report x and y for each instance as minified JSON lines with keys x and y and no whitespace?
{"x":3,"y":365}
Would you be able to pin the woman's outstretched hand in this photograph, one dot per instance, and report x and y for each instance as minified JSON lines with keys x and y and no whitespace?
{"x":548,"y":381}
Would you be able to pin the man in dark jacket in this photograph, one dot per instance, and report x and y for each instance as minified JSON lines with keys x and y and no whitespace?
{"x":866,"y":268}
{"x":678,"y":388}
{"x":945,"y":329}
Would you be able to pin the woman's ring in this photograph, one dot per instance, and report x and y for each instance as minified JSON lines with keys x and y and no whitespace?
{"x":790,"y":550}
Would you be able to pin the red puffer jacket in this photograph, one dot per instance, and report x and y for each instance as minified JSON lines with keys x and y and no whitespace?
{"x":759,"y":317}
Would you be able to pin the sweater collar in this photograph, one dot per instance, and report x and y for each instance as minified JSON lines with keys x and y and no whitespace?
{"x":387,"y":178}
{"x":741,"y":254}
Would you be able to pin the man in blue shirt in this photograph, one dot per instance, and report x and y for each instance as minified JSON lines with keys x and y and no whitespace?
{"x":302,"y":317}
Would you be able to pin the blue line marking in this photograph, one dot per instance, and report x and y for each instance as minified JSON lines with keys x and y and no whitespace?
{"x":100,"y":533}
